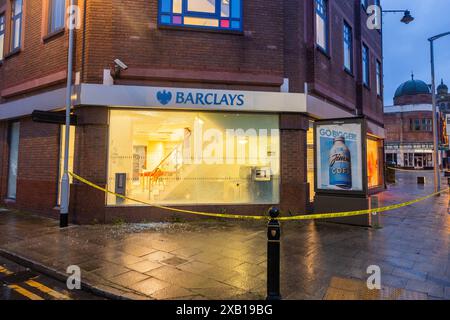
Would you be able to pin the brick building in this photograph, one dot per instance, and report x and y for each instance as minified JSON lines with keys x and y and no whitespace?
{"x":249,"y":76}
{"x":409,"y":126}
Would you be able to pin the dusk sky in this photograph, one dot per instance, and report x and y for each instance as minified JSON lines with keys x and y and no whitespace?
{"x":406,"y":47}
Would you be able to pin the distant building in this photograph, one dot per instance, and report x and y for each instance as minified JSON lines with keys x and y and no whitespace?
{"x":443,"y":98}
{"x":409,"y":126}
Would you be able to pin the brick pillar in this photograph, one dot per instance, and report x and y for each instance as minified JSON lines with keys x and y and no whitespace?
{"x":294,"y":186}
{"x":91,"y":155}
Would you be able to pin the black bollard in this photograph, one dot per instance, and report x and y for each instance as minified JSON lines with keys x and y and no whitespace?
{"x":273,"y":256}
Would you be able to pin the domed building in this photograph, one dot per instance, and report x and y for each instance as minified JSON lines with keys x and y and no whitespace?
{"x":412,"y":92}
{"x":443,"y":98}
{"x":409,"y":126}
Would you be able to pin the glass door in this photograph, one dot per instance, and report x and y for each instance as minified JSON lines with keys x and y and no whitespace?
{"x":13,"y":159}
{"x":418,"y":161}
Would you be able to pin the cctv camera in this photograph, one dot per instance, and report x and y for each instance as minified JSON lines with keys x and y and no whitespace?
{"x":120,"y":64}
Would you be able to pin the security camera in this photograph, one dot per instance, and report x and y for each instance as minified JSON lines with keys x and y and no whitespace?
{"x":120,"y":64}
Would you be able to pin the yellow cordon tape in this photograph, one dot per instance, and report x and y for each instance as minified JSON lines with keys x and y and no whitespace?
{"x":417,"y":171}
{"x":256,"y":217}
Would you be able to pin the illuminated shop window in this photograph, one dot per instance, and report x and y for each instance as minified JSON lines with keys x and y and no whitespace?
{"x":310,"y":160}
{"x":176,"y":158}
{"x":215,"y":14}
{"x":374,"y":156}
{"x":62,"y":144}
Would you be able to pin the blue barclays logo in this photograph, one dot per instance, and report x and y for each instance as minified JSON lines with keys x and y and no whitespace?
{"x":199,"y":98}
{"x":164,"y":97}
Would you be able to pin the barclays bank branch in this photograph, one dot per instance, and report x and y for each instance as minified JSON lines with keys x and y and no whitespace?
{"x":199,"y":149}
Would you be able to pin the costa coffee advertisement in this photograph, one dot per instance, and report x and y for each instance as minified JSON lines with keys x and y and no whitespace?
{"x":339,"y":155}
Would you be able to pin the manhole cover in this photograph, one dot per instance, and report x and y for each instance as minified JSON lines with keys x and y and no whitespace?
{"x":175,"y":261}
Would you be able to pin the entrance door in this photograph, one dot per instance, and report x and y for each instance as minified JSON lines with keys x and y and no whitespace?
{"x":418,"y":161}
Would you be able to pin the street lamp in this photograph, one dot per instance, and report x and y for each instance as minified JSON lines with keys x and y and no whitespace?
{"x":65,"y":185}
{"x":437,"y":180}
{"x":407,"y":17}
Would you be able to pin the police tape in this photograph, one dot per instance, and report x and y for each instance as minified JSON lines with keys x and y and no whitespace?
{"x":257,"y":217}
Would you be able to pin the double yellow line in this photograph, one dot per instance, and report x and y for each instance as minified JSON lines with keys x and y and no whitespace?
{"x":257,"y":217}
{"x":34,"y":284}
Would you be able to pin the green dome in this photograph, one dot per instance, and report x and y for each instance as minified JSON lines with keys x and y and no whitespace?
{"x":412,"y":87}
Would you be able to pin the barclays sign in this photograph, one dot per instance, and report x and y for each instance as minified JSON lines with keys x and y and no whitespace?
{"x":202,"y":98}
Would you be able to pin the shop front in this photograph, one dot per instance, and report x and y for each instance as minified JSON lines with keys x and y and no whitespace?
{"x":198,"y":149}
{"x":222,"y":151}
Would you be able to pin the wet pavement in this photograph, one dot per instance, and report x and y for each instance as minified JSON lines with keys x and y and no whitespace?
{"x":20,"y":283}
{"x":227,"y":259}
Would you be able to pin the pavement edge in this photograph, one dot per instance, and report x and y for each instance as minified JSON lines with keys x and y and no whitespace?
{"x":52,"y":273}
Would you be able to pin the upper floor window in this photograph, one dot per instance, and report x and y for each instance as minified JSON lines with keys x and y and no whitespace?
{"x":379,"y":79}
{"x":2,"y":35}
{"x":322,"y":24}
{"x":348,"y":47}
{"x":56,"y":15}
{"x":365,"y":65}
{"x":212,"y":14}
{"x":16,"y":24}
{"x":421,"y":125}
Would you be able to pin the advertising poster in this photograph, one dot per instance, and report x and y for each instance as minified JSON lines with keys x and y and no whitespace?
{"x":339,"y":156}
{"x":373,"y":163}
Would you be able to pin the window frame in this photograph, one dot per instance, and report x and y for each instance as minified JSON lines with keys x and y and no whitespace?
{"x":2,"y":35}
{"x":350,"y":44}
{"x":379,"y":75}
{"x":14,"y":18}
{"x":50,"y":17}
{"x":365,"y":4}
{"x":365,"y":58}
{"x":194,"y":14}
{"x":326,"y":22}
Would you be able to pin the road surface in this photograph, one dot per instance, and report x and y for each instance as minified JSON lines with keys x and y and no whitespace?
{"x":20,"y":283}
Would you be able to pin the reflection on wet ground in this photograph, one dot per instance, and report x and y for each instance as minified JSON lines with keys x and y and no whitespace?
{"x":227,"y":259}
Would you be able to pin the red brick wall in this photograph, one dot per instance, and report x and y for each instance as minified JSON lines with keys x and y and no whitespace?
{"x":37,"y":179}
{"x":37,"y":57}
{"x":329,"y":79}
{"x":397,"y":127}
{"x":413,"y":99}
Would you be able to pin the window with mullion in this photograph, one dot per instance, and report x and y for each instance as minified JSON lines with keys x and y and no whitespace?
{"x":57,"y":10}
{"x":2,"y":35}
{"x":348,"y":47}
{"x":210,"y":14}
{"x":16,"y":24}
{"x":322,"y":24}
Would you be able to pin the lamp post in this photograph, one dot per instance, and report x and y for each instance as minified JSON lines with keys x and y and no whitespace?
{"x":437,"y":180}
{"x":65,"y":185}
